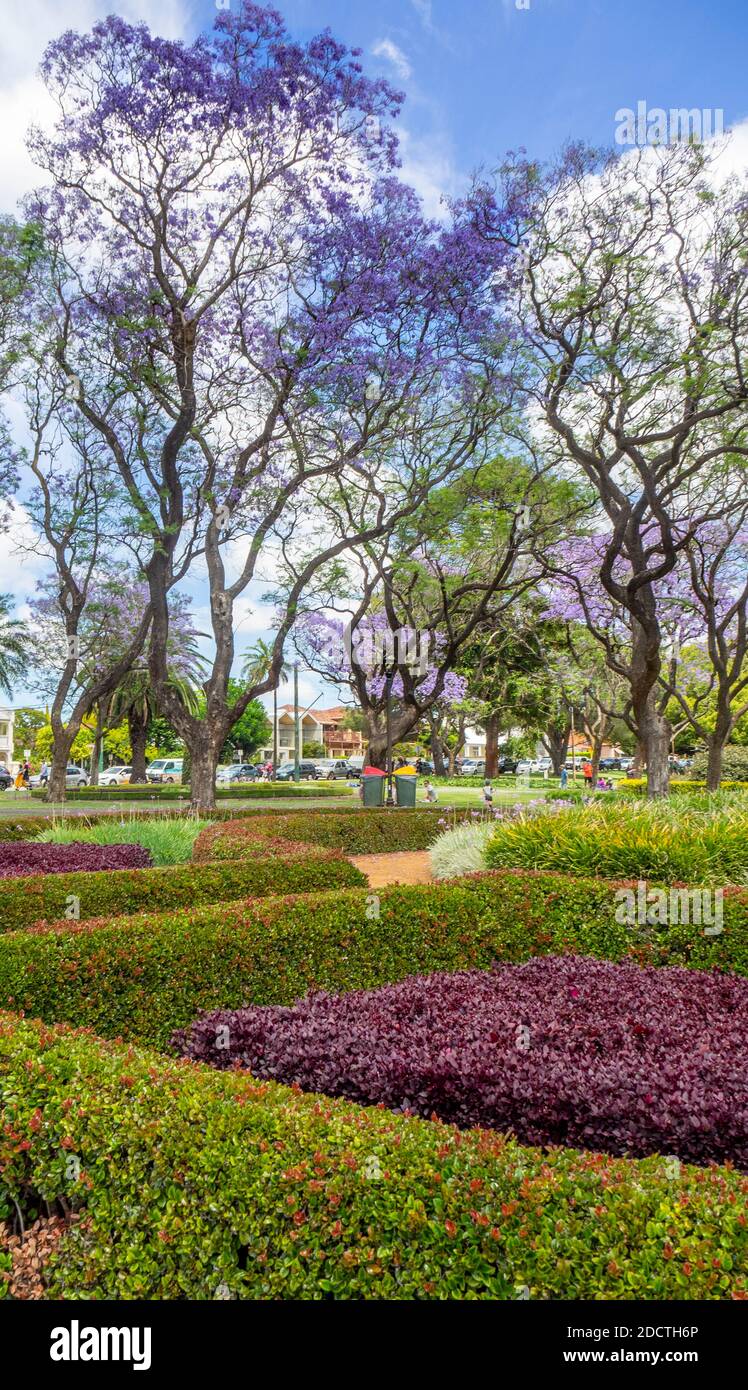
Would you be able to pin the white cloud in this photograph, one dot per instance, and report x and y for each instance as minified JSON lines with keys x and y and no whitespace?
{"x":423,"y":10}
{"x":27,"y":29}
{"x":429,"y":166}
{"x":385,"y":48}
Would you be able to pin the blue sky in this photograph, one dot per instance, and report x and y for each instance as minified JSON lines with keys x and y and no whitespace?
{"x":480,"y":77}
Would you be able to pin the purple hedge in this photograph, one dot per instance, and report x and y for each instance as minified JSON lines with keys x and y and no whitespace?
{"x":562,"y":1050}
{"x":22,"y":857}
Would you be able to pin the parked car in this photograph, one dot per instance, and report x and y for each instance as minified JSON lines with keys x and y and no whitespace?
{"x":505,"y":764}
{"x":114,"y":776}
{"x":471,"y":767}
{"x":357,"y":765}
{"x":333,"y":769}
{"x":6,"y":779}
{"x":307,"y":772}
{"x":74,"y":776}
{"x":527,"y":765}
{"x":236,"y":772}
{"x":610,"y":764}
{"x":165,"y":770}
{"x":424,"y":767}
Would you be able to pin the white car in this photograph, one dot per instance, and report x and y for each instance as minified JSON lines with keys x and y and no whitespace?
{"x":165,"y":770}
{"x":114,"y":776}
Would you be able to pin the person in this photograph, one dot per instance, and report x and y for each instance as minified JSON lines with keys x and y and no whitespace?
{"x":430,"y":791}
{"x":587,"y":772}
{"x":564,"y":778}
{"x":20,"y":783}
{"x":487,"y":795}
{"x":26,"y":773}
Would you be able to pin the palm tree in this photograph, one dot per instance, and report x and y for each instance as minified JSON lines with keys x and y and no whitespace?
{"x":14,"y":644}
{"x":256,"y":665}
{"x":136,"y":700}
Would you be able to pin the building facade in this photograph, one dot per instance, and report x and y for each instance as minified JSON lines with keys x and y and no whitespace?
{"x":317,"y":726}
{"x":7,"y":731}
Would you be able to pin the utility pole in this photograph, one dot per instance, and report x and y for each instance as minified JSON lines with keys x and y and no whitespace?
{"x":297,"y":724}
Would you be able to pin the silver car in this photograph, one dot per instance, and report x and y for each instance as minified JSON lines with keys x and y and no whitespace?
{"x":74,"y":776}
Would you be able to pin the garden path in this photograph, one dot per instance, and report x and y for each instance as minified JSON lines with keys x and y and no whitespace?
{"x":409,"y":866}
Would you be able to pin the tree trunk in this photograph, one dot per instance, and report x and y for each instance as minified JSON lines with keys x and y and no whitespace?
{"x":57,"y":784}
{"x":437,"y":747}
{"x":655,"y":736}
{"x":93,"y":762}
{"x":557,"y":743}
{"x":653,"y":729}
{"x":204,"y":754}
{"x":714,"y":762}
{"x":716,"y":741}
{"x":138,"y":729}
{"x":491,"y":726}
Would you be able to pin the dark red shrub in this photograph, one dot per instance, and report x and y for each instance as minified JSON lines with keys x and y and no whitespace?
{"x":562,"y":1050}
{"x":22,"y":857}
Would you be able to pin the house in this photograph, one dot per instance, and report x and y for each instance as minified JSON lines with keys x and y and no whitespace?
{"x":317,"y":726}
{"x":7,"y":730}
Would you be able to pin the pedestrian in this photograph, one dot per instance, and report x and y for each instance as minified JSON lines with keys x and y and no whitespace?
{"x":26,"y":773}
{"x":564,"y":778}
{"x":487,"y":795}
{"x":430,"y":792}
{"x":587,"y":772}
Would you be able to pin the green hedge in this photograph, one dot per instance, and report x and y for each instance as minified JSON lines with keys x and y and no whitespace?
{"x":734,"y":763}
{"x":369,"y":832}
{"x":248,"y":790}
{"x":141,"y":977}
{"x":677,"y":784}
{"x":26,"y":827}
{"x":194,"y":1184}
{"x":45,"y":897}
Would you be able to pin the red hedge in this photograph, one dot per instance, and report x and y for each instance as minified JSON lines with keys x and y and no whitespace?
{"x":22,"y":857}
{"x":560,"y":1050}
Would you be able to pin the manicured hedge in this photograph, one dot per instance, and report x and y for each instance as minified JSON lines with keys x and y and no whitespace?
{"x":369,"y":832}
{"x":677,"y":784}
{"x":193,"y":1184}
{"x":562,"y":1050}
{"x":18,"y":859}
{"x":141,"y":977}
{"x":26,"y":827}
{"x":47,"y":897}
{"x":154,"y":790}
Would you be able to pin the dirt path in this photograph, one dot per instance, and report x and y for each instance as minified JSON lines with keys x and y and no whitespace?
{"x":406,"y":867}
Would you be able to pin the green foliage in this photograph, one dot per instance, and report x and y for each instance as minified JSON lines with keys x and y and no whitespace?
{"x":312,"y":750}
{"x":218,"y":1186}
{"x":461,"y":850}
{"x":150,"y":973}
{"x":169,"y":840}
{"x":28,"y":722}
{"x":154,"y":791}
{"x":734,"y":764}
{"x":666,"y":841}
{"x":368,"y":832}
{"x":47,"y":897}
{"x":249,"y":732}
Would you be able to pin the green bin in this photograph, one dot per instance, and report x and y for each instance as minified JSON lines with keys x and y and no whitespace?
{"x":373,"y":789}
{"x":405,"y":789}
